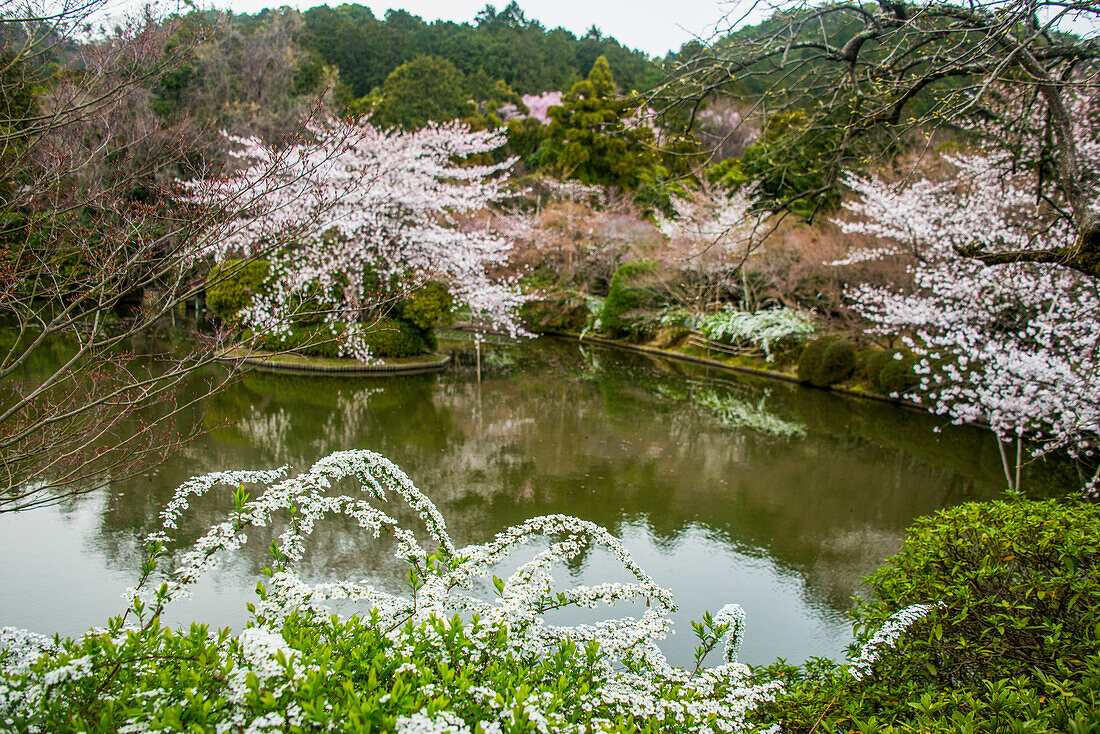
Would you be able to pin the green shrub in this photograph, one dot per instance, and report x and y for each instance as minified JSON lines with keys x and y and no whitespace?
{"x":347,"y":676}
{"x":827,"y":361}
{"x":231,"y":285}
{"x":838,"y":363}
{"x":627,"y":293}
{"x":898,"y":377}
{"x":391,"y":338}
{"x":1014,"y":645}
{"x":429,"y":307}
{"x":888,"y":371}
{"x":869,"y":363}
{"x":312,"y":341}
{"x":811,"y":357}
{"x":386,"y":338}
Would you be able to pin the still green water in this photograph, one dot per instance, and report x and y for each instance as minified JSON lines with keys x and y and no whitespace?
{"x":726,"y":489}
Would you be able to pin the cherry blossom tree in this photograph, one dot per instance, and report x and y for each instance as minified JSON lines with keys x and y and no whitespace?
{"x":539,"y":104}
{"x":1016,"y":343}
{"x":387,"y":210}
{"x":710,"y":239}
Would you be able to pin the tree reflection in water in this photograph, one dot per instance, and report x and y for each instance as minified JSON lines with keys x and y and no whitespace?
{"x":769,"y":495}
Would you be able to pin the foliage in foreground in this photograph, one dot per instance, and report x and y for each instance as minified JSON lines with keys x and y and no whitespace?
{"x":999,"y":632}
{"x":442,"y":659}
{"x":1013,"y":644}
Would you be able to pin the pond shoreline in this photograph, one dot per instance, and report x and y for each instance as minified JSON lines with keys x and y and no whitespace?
{"x":717,"y":364}
{"x":741,"y":369}
{"x":297,"y":364}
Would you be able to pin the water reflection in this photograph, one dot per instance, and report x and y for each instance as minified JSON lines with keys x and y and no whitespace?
{"x":774,"y":496}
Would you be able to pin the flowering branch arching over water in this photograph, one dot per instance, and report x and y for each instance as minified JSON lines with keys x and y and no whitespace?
{"x":440,"y":659}
{"x":887,"y":636}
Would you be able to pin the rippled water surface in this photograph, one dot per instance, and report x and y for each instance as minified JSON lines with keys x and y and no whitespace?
{"x":726,"y":489}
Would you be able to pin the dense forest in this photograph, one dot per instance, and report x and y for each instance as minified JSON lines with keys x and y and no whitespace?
{"x":405,"y":72}
{"x":503,"y":45}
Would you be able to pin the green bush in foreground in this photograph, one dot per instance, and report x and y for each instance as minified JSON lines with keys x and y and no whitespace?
{"x":1013,"y":644}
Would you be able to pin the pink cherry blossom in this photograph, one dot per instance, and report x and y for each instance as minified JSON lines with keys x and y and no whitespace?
{"x":357,"y":216}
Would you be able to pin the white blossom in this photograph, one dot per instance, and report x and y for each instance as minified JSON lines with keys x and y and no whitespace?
{"x":1017,"y":345}
{"x":363,"y":215}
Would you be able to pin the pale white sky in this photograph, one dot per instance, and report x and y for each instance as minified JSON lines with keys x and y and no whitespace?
{"x":653,"y":26}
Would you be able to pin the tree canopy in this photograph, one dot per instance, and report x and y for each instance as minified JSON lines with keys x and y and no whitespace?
{"x":504,"y":45}
{"x":864,"y":74}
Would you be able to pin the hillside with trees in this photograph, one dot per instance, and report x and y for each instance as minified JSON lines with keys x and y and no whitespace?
{"x":497,"y":45}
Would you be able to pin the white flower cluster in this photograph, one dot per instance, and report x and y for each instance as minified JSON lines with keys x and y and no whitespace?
{"x":422,"y":723}
{"x":198,"y":486}
{"x":22,"y":647}
{"x":632,"y":675}
{"x":887,"y":636}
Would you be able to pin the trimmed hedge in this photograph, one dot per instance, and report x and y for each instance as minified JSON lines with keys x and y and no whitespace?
{"x":626,"y":293}
{"x":1013,"y":647}
{"x":406,"y":332}
{"x":391,"y":338}
{"x":889,"y":372}
{"x":231,"y":285}
{"x":387,"y":338}
{"x":427,"y":308}
{"x":827,"y":361}
{"x":312,"y":341}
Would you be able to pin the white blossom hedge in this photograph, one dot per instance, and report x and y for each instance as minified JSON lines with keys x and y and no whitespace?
{"x":440,"y":659}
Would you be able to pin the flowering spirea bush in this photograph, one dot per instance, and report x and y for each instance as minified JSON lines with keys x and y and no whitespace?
{"x":886,"y":637}
{"x":1015,"y":344}
{"x":368,"y":214}
{"x":442,"y":658}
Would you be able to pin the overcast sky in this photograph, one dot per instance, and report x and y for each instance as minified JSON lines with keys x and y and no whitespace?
{"x":653,"y":26}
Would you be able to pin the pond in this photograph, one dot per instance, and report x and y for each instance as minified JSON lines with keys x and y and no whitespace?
{"x":726,"y":489}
